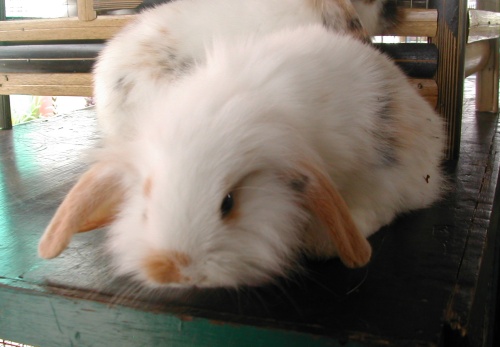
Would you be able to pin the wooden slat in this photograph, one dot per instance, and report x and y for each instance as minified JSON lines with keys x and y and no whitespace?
{"x":102,"y":28}
{"x":417,"y":22}
{"x":476,"y":56}
{"x":5,"y":110}
{"x":483,"y":25}
{"x":80,"y":84}
{"x":75,"y":84}
{"x":487,"y":80}
{"x":451,"y":40}
{"x":116,"y":4}
{"x":86,"y":10}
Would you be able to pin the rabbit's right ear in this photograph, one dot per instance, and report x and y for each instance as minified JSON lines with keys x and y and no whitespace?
{"x":324,"y":200}
{"x":342,"y":17}
{"x":92,"y":203}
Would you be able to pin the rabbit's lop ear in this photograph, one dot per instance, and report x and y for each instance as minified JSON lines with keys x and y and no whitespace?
{"x":92,"y":203}
{"x":326,"y":203}
{"x":341,"y":16}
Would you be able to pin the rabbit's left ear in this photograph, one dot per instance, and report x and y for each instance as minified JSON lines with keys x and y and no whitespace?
{"x":325,"y":202}
{"x":342,"y":17}
{"x":92,"y":203}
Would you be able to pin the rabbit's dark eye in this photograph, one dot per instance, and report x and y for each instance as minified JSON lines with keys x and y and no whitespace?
{"x":227,"y":205}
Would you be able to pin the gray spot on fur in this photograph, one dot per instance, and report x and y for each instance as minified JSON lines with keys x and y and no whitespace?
{"x":354,"y":25}
{"x":119,"y":83}
{"x":392,"y":16}
{"x":385,"y":133}
{"x":123,"y":88}
{"x":299,"y":184}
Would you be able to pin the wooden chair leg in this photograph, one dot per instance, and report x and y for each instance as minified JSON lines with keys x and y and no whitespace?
{"x":487,"y":82}
{"x":451,"y":40}
{"x":86,"y":10}
{"x":5,"y":115}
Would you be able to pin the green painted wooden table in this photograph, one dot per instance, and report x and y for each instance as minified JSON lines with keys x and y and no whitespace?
{"x":431,"y":281}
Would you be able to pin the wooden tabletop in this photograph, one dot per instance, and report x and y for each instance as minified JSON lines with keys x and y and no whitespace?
{"x":429,"y":282}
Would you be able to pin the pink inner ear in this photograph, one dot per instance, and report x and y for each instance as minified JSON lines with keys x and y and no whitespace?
{"x":92,"y":203}
{"x":327,"y":204}
{"x":104,"y":212}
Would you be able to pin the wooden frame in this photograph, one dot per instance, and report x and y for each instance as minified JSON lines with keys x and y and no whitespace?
{"x":86,"y":10}
{"x":64,"y":29}
{"x":5,"y":113}
{"x":418,"y":22}
{"x":484,"y":30}
{"x":74,"y":84}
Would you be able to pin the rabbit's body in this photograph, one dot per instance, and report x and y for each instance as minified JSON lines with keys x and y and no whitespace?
{"x":301,"y":141}
{"x":164,"y":43}
{"x":304,"y":94}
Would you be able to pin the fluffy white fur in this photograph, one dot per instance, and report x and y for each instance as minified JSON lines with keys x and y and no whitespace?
{"x":164,"y":43}
{"x":241,"y":122}
{"x":193,"y":109}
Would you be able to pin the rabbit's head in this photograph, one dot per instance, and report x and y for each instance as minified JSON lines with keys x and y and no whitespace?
{"x":219,"y":195}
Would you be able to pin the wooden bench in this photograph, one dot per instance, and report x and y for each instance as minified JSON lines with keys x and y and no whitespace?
{"x":445,"y":32}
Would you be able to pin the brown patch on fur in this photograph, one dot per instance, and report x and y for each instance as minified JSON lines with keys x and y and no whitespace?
{"x":147,"y":187}
{"x":233,"y":216}
{"x":342,"y":17}
{"x":164,"y":267}
{"x":354,"y":25}
{"x":327,"y":204}
{"x":392,"y":16}
{"x":404,"y":133}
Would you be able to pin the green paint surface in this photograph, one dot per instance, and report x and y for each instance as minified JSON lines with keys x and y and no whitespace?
{"x":48,"y":320}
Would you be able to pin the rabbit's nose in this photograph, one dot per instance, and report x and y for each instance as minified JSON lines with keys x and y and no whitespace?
{"x":163,"y":267}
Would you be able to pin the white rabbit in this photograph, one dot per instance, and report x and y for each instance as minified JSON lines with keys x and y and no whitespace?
{"x":167,"y":41}
{"x":300,"y":141}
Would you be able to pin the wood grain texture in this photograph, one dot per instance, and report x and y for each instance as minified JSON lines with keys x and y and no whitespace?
{"x":477,"y":55}
{"x":451,"y":41}
{"x":421,"y":287}
{"x":417,"y":23}
{"x":5,"y":113}
{"x":487,"y":89}
{"x":75,"y":84}
{"x":483,"y":25}
{"x":102,"y":28}
{"x":115,"y":4}
{"x":86,"y":10}
{"x":80,"y":84}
